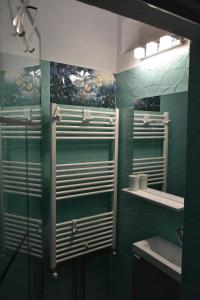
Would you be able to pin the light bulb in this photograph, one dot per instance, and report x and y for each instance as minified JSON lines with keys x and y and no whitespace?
{"x":139,"y":53}
{"x":151,"y":48}
{"x":165,"y":42}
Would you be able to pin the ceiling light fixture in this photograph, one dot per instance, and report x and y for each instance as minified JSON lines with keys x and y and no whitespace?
{"x":165,"y":43}
{"x":151,"y":48}
{"x":139,"y":53}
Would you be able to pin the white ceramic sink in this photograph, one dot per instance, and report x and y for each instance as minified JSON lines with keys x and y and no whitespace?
{"x":161,"y":253}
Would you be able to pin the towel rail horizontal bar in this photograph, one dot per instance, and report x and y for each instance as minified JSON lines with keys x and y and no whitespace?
{"x":148,"y":158}
{"x":63,"y":237}
{"x":20,"y":137}
{"x":91,"y":122}
{"x":5,"y":172}
{"x":25,"y":251}
{"x":88,"y":109}
{"x":151,"y":175}
{"x":86,"y":163}
{"x":155,"y":179}
{"x":90,"y":225}
{"x":84,"y":179}
{"x":84,"y":189}
{"x":20,"y":233}
{"x":151,"y":115}
{"x":150,"y":119}
{"x":20,"y":162}
{"x":4,"y":127}
{"x":155,"y":183}
{"x":19,"y":110}
{"x":83,"y":174}
{"x":148,"y":128}
{"x":150,"y":171}
{"x":30,"y":242}
{"x":75,"y":239}
{"x":85,"y":252}
{"x":4,"y":132}
{"x":83,"y":184}
{"x":22,"y":218}
{"x":28,"y":179}
{"x":83,"y":132}
{"x":10,"y":120}
{"x":147,"y":133}
{"x":83,"y":248}
{"x":22,"y":193}
{"x":83,"y":228}
{"x":22,"y":168}
{"x":25,"y":222}
{"x":91,"y":116}
{"x":87,"y":241}
{"x":142,"y":123}
{"x":28,"y":184}
{"x":84,"y":138}
{"x":20,"y":188}
{"x":148,"y":163}
{"x":85,"y":127}
{"x":104,"y":223}
{"x":83,"y":231}
{"x":84,"y":194}
{"x":156,"y":175}
{"x":93,"y":217}
{"x":87,"y":168}
{"x":23,"y":247}
{"x":149,"y":167}
{"x":148,"y":137}
{"x":20,"y":227}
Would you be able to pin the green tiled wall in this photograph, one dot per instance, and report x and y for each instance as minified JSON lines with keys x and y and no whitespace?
{"x":154,"y":79}
{"x":176,"y":104}
{"x":138,"y":219}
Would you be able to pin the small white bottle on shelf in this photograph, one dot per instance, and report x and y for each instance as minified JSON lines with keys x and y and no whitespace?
{"x":134,"y":182}
{"x":143,"y":182}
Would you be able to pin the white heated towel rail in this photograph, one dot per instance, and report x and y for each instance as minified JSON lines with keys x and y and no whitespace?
{"x":81,"y":236}
{"x":16,"y":227}
{"x":78,"y":179}
{"x":22,"y":178}
{"x":152,"y":127}
{"x":15,"y":126}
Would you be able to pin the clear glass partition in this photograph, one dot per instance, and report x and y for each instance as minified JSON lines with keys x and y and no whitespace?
{"x":20,"y":165}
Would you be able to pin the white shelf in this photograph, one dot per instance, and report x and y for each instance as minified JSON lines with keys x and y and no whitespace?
{"x":160,"y":198}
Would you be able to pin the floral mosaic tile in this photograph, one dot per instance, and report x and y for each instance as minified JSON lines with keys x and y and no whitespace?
{"x":21,"y":86}
{"x":148,"y":104}
{"x":74,"y":85}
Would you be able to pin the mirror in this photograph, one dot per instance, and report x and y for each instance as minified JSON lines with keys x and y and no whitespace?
{"x":160,"y":129}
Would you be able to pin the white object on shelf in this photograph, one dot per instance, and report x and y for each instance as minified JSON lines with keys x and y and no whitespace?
{"x":160,"y":198}
{"x":134,"y":182}
{"x":143,"y":181}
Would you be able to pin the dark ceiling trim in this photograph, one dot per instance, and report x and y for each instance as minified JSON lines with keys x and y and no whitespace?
{"x":179,"y":11}
{"x":153,"y":14}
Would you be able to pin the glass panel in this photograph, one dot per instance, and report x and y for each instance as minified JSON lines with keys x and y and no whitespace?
{"x":20,"y":165}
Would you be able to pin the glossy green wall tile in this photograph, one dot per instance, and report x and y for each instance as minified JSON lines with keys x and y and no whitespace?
{"x":176,"y":104}
{"x":138,"y":219}
{"x":154,"y":78}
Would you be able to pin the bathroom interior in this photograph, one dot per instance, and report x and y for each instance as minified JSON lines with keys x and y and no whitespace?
{"x":94,"y":140}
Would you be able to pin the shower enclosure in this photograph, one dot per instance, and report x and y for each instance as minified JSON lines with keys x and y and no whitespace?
{"x":20,"y":163}
{"x":20,"y":183}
